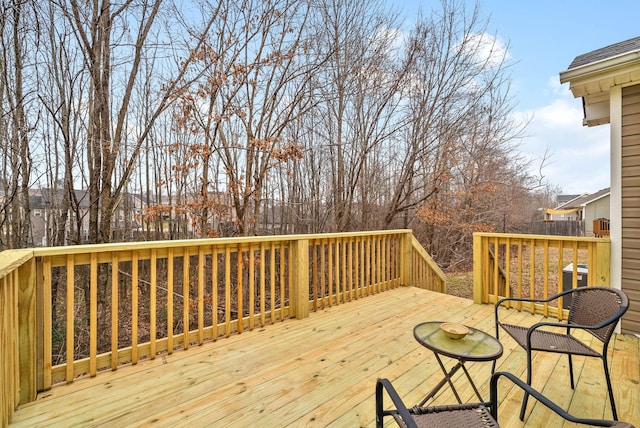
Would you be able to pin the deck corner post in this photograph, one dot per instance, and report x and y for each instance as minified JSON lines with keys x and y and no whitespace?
{"x":406,"y":259}
{"x":603,"y":263}
{"x":27,"y":330}
{"x":478,"y":257}
{"x":300,"y":281}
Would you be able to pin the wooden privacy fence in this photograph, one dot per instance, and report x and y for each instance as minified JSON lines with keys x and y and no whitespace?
{"x":536,"y":266}
{"x":68,"y":311}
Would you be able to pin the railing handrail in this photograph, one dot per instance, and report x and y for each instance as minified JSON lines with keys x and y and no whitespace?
{"x":524,"y":236}
{"x":179,"y":243}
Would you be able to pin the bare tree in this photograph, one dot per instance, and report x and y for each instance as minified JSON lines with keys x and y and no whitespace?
{"x":360,"y":87}
{"x":460,"y":158}
{"x":255,"y":82}
{"x":114,"y":39}
{"x":15,"y":127}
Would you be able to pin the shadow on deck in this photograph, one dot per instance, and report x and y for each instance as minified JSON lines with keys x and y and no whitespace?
{"x":321,"y":371}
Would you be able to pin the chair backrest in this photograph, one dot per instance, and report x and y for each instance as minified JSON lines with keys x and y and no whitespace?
{"x":594,"y":305}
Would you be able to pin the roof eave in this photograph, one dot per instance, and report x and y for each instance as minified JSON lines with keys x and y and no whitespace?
{"x":599,"y":67}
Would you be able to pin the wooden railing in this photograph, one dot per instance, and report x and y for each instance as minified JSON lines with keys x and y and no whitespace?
{"x":536,"y":266}
{"x":426,"y":272}
{"x":77,"y":310}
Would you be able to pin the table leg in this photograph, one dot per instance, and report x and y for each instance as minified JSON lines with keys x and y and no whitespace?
{"x":447,"y":378}
{"x":473,"y":385}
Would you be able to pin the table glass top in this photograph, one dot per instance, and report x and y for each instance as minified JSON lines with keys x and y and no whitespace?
{"x":475,"y":346}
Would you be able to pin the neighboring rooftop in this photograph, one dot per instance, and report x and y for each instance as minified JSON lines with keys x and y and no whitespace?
{"x":563,"y":199}
{"x":584,"y":199}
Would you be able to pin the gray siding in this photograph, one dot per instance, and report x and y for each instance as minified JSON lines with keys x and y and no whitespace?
{"x":631,"y":206}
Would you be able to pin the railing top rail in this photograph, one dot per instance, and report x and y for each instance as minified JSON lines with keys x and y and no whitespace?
{"x":146,"y":245}
{"x":541,"y":237}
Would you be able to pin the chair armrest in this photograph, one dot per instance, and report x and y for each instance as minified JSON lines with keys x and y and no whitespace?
{"x":401,"y":409}
{"x":523,"y":300}
{"x":493,"y":390}
{"x":529,"y":300}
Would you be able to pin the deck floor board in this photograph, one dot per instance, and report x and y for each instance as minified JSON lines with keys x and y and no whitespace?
{"x":321,"y":371}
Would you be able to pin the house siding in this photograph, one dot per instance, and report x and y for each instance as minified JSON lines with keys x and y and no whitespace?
{"x":631,"y":206}
{"x":593,"y":211}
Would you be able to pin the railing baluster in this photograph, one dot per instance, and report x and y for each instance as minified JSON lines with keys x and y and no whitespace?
{"x":134,"y":307}
{"x":532,"y":273}
{"x":272,"y":281}
{"x":200,"y":295}
{"x":560,"y":279}
{"x":239,"y":284}
{"x":282,"y":280}
{"x":263,"y":263}
{"x":114,"y":310}
{"x":153,"y":290}
{"x":170,"y":304}
{"x":349,"y":270}
{"x":70,"y":337}
{"x":330,"y":269}
{"x":313,"y":249}
{"x":93,"y":316}
{"x":360,"y":265}
{"x":186,"y":298}
{"x":227,"y":291}
{"x":214,"y":290}
{"x":520,"y":260}
{"x":252,"y":284}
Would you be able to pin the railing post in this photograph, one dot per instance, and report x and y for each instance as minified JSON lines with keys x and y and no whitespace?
{"x":299,"y":287}
{"x":406,"y":260}
{"x":478,"y":263}
{"x":27,"y":330}
{"x":603,"y":262}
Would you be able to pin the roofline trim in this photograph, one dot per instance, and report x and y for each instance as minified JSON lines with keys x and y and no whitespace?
{"x":600,"y":66}
{"x":590,"y":201}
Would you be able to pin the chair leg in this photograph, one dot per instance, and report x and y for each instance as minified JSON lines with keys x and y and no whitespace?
{"x":526,"y":394}
{"x":379,"y":408}
{"x":606,"y":375}
{"x":493,"y":365}
{"x":571,"y":371}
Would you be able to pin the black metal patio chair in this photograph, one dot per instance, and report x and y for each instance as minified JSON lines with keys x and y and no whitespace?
{"x":481,"y":415}
{"x":592,"y":309}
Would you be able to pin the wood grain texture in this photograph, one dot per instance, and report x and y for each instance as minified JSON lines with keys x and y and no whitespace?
{"x":321,"y":371}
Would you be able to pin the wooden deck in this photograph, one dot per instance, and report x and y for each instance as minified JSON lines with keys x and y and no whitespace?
{"x":321,"y":371}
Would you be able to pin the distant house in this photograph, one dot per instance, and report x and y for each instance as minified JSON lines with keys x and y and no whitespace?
{"x":566,"y":210}
{"x":608,"y":82}
{"x":596,"y":207}
{"x":46,"y":215}
{"x":585,"y":208}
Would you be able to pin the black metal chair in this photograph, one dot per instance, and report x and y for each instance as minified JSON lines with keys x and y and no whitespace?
{"x":592,"y":309}
{"x":481,"y":415}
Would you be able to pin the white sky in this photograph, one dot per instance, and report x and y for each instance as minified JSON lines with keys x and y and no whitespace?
{"x":544,"y":36}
